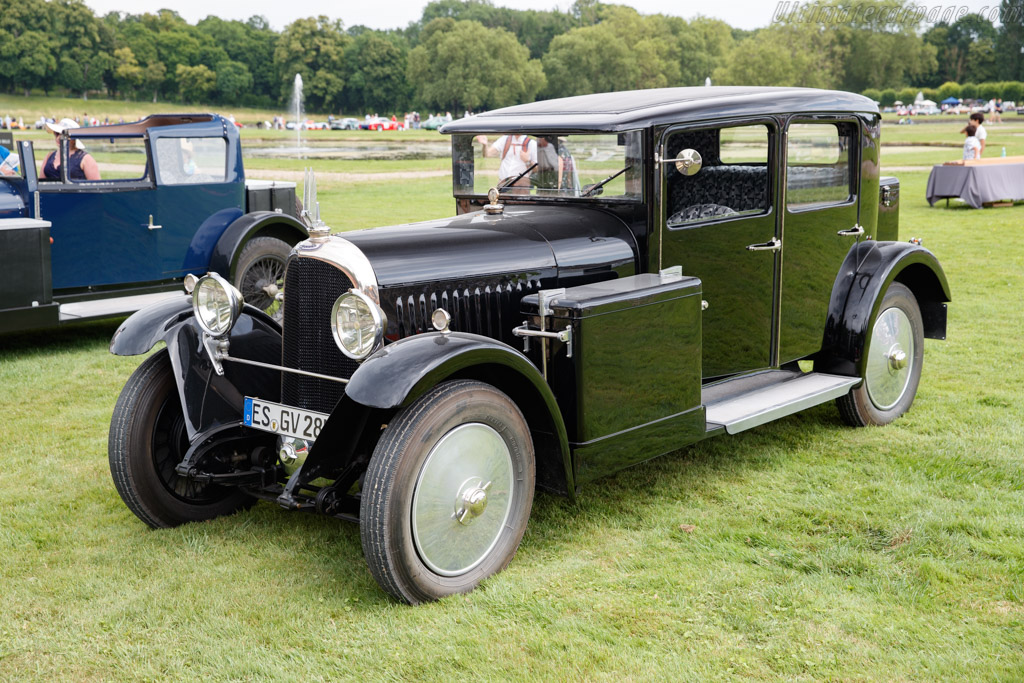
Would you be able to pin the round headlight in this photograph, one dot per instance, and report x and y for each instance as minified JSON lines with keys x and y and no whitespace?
{"x":358,"y":324}
{"x":216,"y":304}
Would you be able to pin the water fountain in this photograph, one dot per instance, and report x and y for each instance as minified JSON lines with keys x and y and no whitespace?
{"x":297,"y":109}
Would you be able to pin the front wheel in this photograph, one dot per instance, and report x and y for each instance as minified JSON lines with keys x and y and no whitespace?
{"x":147,"y":440}
{"x":892,"y":364}
{"x":259,"y":275}
{"x":448,"y":492}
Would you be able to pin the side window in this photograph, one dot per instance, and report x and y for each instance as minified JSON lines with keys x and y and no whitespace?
{"x":191,"y":161}
{"x":733,"y":180}
{"x":819,"y":163}
{"x":120,"y":158}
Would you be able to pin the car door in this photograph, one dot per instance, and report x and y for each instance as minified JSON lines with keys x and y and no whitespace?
{"x":820,"y":225}
{"x":719,"y":224}
{"x":200,"y":194}
{"x":104,"y":232}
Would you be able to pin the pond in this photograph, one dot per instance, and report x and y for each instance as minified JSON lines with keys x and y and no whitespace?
{"x":350,"y":149}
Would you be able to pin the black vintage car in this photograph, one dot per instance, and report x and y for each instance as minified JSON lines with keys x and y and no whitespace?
{"x":657,"y":267}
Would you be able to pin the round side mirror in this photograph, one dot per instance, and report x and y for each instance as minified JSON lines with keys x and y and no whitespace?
{"x":688,"y":162}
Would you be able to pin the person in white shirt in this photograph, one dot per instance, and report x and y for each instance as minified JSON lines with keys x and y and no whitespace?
{"x":972,"y":146}
{"x":516,"y":152}
{"x":976,"y":120}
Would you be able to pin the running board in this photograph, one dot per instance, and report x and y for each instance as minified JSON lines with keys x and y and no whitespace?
{"x":768,"y":396}
{"x":109,"y":308}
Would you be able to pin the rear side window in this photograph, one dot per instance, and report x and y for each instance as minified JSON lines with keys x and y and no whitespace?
{"x":191,"y":161}
{"x":732,"y":182}
{"x":119,"y":158}
{"x":819,"y":165}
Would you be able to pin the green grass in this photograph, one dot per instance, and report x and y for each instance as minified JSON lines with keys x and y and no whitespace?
{"x":817,"y":551}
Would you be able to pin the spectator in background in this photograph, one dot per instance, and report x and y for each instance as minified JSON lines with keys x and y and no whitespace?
{"x":81,"y":166}
{"x":8,"y":162}
{"x":976,"y":120}
{"x":972,"y":147}
{"x":517,"y":154}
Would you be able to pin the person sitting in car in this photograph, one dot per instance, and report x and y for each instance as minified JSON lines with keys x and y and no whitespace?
{"x":81,"y":165}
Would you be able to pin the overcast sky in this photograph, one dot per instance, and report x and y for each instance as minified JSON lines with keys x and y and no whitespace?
{"x":383,"y":14}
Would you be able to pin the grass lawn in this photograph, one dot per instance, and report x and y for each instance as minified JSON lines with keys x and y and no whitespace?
{"x":817,"y":551}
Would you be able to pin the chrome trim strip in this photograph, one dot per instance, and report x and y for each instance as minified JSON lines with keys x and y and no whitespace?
{"x":344,"y":256}
{"x":245,"y":361}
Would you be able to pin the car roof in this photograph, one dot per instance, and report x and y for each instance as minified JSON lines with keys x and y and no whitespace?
{"x":151,"y":121}
{"x":632,"y":109}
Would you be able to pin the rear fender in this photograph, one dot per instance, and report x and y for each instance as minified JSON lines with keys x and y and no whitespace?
{"x":256,"y":224}
{"x":857,"y":294}
{"x":209,"y":400}
{"x":403,"y":371}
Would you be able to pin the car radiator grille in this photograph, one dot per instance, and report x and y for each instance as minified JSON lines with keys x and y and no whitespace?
{"x":491,"y":309}
{"x":314,"y":286}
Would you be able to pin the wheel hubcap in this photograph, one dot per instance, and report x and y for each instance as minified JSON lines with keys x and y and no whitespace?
{"x":890,"y":361}
{"x":462,"y":499}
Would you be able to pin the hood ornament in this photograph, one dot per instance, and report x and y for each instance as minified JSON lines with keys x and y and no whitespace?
{"x":493,"y":207}
{"x":310,"y":215}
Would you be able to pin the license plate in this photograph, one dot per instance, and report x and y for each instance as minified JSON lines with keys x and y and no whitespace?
{"x":281,"y":419}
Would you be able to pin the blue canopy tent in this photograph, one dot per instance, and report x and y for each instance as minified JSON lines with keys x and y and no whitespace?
{"x":950,"y":100}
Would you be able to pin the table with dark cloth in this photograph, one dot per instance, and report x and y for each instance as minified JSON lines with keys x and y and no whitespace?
{"x":976,"y":184}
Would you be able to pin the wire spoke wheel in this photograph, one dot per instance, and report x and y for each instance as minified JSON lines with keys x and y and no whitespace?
{"x":260,"y":274}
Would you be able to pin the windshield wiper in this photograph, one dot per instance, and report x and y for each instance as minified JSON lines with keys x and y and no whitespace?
{"x":505,"y":183}
{"x":613,"y":176}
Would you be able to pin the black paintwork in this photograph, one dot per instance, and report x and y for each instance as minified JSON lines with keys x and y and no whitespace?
{"x":478,"y":266}
{"x":868,"y":270}
{"x":210,"y":400}
{"x":634,"y":109}
{"x":632,"y":389}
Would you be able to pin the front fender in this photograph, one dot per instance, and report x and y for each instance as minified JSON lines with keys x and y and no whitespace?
{"x":209,"y":400}
{"x":229,"y":247}
{"x":403,"y":371}
{"x":857,"y":294}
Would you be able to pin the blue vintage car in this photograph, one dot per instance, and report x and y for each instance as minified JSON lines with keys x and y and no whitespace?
{"x":172,"y":200}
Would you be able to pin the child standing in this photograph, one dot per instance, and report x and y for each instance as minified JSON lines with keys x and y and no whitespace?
{"x":972,"y":148}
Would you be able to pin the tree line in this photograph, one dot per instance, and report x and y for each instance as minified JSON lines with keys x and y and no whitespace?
{"x":470,"y":54}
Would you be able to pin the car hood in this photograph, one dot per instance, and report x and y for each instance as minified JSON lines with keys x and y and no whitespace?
{"x":540,"y":241}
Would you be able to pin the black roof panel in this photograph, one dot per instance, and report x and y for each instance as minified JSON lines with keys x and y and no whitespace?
{"x":617,"y":111}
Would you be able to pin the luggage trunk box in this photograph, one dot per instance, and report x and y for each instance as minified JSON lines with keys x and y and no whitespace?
{"x":270,"y":195}
{"x":25,"y":260}
{"x":635,"y":351}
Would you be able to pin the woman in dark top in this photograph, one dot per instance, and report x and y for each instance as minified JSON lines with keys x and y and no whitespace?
{"x":81,"y":166}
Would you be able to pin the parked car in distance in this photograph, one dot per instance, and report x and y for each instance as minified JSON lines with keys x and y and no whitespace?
{"x":378,"y":123}
{"x":672,"y":265}
{"x":434,"y":122}
{"x":345,"y":124}
{"x":172,"y":200}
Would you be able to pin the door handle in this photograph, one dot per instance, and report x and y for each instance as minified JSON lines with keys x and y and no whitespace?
{"x":856,"y":231}
{"x":774,"y":244}
{"x":150,"y":224}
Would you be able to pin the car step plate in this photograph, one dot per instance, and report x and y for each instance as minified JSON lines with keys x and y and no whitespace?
{"x":792,"y":393}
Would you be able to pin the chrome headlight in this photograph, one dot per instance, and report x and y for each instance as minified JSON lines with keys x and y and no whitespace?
{"x":358,"y":324}
{"x":216,"y":304}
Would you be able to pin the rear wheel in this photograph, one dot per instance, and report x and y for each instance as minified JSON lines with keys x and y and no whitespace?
{"x":892,"y":366}
{"x":448,"y":492}
{"x":147,"y":441}
{"x":259,"y":275}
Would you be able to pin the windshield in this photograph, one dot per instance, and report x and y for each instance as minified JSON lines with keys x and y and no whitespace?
{"x":592,"y":166}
